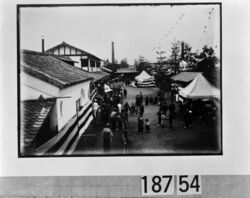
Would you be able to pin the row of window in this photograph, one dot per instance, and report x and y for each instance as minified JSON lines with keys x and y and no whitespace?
{"x":85,"y":63}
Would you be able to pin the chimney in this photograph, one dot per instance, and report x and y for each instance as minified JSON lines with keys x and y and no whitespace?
{"x":182,"y":50}
{"x":113,"y":53}
{"x":42,"y":44}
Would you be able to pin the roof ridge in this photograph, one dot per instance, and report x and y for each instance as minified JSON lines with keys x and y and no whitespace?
{"x":48,"y":72}
{"x":64,"y":43}
{"x":195,"y":83}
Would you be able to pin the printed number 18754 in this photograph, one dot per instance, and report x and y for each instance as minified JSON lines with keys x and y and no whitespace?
{"x":165,"y":185}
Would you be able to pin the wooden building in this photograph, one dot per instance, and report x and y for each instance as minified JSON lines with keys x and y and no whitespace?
{"x":79,"y":57}
{"x":55,"y":104}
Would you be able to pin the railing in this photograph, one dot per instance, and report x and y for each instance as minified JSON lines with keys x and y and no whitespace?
{"x":93,"y":94}
{"x":66,"y":140}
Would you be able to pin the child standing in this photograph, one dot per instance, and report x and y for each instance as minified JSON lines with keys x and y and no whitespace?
{"x":147,"y":127}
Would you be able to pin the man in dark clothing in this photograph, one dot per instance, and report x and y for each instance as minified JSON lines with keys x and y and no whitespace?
{"x":151,"y":100}
{"x":156,"y":100}
{"x":140,"y":98}
{"x":120,"y":123}
{"x":141,"y":110}
{"x":159,"y":117}
{"x":107,"y":138}
{"x":140,"y":125}
{"x":172,"y":114}
{"x":146,"y":101}
{"x":126,"y":107}
{"x":125,"y":92}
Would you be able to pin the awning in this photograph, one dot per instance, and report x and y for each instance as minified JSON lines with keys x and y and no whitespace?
{"x":143,"y":76}
{"x":200,"y":88}
{"x":185,"y":76}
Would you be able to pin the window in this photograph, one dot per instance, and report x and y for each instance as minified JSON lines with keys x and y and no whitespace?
{"x":92,"y":63}
{"x":78,"y":106}
{"x":84,"y":62}
{"x":82,"y":97}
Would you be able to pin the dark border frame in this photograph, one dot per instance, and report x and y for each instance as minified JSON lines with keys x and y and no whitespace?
{"x":19,"y":6}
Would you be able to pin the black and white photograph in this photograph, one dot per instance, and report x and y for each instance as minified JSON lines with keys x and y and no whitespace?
{"x":119,"y":79}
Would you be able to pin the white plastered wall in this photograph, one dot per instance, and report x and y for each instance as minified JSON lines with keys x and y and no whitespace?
{"x":32,"y":88}
{"x":66,"y":104}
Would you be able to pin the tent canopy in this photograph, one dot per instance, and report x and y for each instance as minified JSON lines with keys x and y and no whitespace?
{"x":185,"y":76}
{"x":143,"y":76}
{"x":200,"y":88}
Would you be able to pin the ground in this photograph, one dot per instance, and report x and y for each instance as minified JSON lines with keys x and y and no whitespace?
{"x":200,"y":139}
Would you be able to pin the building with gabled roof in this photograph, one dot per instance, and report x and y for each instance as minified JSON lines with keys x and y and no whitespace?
{"x":83,"y":59}
{"x":51,"y":69}
{"x":43,"y":78}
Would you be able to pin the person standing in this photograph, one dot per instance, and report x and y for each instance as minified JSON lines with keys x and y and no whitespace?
{"x":113,"y":120}
{"x":147,"y":126}
{"x":163,"y":119}
{"x":159,"y":117}
{"x":119,"y":106}
{"x":156,"y":100}
{"x":132,"y":109}
{"x":146,"y":101}
{"x":95,"y":108}
{"x":120,"y":122}
{"x":107,"y":138}
{"x":140,"y":99}
{"x":125,"y":92}
{"x":126,"y":107}
{"x":141,"y":110}
{"x":172,"y":114}
{"x":140,"y":125}
{"x":168,"y":117}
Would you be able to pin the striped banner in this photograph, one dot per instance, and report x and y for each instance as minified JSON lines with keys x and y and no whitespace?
{"x":66,"y":140}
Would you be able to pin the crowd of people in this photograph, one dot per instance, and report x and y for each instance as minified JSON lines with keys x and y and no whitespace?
{"x":111,"y":111}
{"x":108,"y":109}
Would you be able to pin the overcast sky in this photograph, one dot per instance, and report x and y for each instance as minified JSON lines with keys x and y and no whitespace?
{"x":135,"y":30}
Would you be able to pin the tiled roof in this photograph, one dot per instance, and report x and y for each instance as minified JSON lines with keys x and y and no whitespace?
{"x":33,"y":114}
{"x":106,"y":69}
{"x":126,"y":70}
{"x":65,"y":58}
{"x":51,"y":69}
{"x":71,"y":46}
{"x":166,"y":67}
{"x":98,"y":75}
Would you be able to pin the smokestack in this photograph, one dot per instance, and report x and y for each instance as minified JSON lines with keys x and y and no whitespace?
{"x":113,"y":53}
{"x":42,"y":44}
{"x":182,"y":50}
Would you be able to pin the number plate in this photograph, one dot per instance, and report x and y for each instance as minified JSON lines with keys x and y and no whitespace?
{"x":188,"y":184}
{"x":157,"y":185}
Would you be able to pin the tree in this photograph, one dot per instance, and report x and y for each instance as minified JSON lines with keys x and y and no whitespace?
{"x":186,"y":49}
{"x":163,"y":81}
{"x":124,"y":63}
{"x":160,"y":56}
{"x":106,"y":62}
{"x":208,"y":59}
{"x":175,"y":55}
{"x":142,"y":64}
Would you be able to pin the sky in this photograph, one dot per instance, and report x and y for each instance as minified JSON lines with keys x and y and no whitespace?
{"x":135,"y":30}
